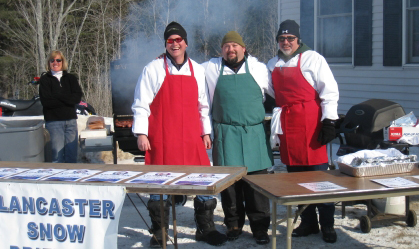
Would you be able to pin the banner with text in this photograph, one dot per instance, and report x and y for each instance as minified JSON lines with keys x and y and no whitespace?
{"x":35,"y":215}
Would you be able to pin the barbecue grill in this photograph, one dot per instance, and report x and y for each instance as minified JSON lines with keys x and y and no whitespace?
{"x":363,"y":129}
{"x":124,"y":77}
{"x":363,"y":124}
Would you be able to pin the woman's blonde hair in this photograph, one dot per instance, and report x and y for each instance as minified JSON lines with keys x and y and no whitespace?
{"x":52,"y":55}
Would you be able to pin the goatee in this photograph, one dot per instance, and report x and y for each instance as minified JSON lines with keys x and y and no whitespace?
{"x":232,"y":61}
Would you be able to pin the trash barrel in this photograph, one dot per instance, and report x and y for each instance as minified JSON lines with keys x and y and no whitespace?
{"x":22,"y":140}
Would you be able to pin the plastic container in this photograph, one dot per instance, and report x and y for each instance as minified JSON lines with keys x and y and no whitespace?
{"x":391,"y":205}
{"x":22,"y":140}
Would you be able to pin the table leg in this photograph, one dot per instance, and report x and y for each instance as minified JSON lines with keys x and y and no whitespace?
{"x":274,"y":225}
{"x":174,"y":221}
{"x":289,"y":225}
{"x":343,"y":209}
{"x":163,"y":226}
{"x":407,"y":204}
{"x":114,"y":151}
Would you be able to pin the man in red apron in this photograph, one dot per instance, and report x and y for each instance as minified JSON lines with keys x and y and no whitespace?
{"x":307,"y":94}
{"x":172,"y":124}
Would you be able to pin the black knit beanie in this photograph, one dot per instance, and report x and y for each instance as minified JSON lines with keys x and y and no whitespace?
{"x":175,"y":28}
{"x":289,"y":27}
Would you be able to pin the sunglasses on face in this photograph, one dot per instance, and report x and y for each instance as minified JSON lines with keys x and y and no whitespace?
{"x":178,"y":40}
{"x":57,"y":60}
{"x":289,"y":38}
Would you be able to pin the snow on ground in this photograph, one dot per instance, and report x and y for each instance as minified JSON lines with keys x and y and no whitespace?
{"x":133,"y":231}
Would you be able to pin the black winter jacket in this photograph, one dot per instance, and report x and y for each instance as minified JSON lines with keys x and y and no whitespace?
{"x":59,"y":98}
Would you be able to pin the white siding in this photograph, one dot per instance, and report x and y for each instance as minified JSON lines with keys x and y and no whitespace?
{"x":357,"y":84}
{"x":289,"y":9}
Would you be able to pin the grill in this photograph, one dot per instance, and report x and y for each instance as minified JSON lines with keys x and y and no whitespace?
{"x":363,"y":129}
{"x":367,"y":120}
{"x":124,"y":77}
{"x":123,"y":134}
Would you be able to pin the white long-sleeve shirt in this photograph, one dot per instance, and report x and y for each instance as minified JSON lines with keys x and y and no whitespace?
{"x":317,"y":72}
{"x":149,"y":84}
{"x":257,"y":69}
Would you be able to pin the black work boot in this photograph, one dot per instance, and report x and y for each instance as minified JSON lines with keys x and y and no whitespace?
{"x":261,"y":237}
{"x":305,"y":229}
{"x":233,"y":233}
{"x":156,"y":227}
{"x":329,"y":234}
{"x":204,"y":219}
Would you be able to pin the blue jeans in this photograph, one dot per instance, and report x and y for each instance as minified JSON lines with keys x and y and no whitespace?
{"x":63,"y":140}
{"x":202,"y":198}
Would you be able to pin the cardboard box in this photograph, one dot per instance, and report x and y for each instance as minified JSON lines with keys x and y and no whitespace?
{"x":106,"y":141}
{"x":97,"y":133}
{"x":395,"y":133}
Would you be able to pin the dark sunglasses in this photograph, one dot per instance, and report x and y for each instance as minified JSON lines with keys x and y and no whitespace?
{"x":178,"y":40}
{"x":289,"y":38}
{"x":57,"y":60}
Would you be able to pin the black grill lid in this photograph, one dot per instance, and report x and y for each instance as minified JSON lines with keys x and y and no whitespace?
{"x":373,"y":115}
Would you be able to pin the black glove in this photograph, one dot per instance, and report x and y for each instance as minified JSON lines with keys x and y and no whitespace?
{"x":327,"y":132}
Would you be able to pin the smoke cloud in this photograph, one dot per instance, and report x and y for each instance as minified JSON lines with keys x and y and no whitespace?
{"x":205,"y":21}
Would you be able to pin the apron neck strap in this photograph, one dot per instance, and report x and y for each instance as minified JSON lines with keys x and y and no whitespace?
{"x":190,"y":67}
{"x":299,"y":59}
{"x":245,"y":62}
{"x":166,"y":67}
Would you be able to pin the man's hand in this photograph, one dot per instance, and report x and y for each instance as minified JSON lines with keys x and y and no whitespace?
{"x":327,"y":132}
{"x":207,"y":141}
{"x":143,"y":143}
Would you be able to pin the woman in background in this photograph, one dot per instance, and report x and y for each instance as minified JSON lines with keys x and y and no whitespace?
{"x":60,"y":92}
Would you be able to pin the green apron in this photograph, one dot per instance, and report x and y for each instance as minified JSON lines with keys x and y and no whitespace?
{"x":238,"y":114}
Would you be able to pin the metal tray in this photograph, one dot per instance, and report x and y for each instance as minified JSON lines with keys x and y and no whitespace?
{"x":396,"y":168}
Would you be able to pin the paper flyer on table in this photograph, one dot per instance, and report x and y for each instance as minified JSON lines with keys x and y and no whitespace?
{"x":35,"y":174}
{"x":112,"y":176}
{"x":72,"y":175}
{"x":396,"y":182}
{"x":156,"y":178}
{"x":321,"y":186}
{"x":5,"y":172}
{"x":203,"y":179}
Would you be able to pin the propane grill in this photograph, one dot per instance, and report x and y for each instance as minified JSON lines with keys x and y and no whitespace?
{"x":366,"y":121}
{"x":363,"y":129}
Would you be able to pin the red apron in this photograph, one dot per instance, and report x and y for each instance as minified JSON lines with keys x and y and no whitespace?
{"x":174,"y":124}
{"x":300,"y":117}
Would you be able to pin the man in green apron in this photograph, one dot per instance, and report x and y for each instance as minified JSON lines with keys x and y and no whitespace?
{"x":237,"y":83}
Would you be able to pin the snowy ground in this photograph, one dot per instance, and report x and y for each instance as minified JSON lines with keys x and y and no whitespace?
{"x":133,"y":232}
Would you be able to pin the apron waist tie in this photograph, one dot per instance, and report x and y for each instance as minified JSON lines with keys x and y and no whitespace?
{"x":243,"y":126}
{"x":298,"y":103}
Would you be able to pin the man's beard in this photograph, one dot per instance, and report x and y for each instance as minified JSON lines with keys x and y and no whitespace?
{"x":286,"y":52}
{"x":232,"y":60}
